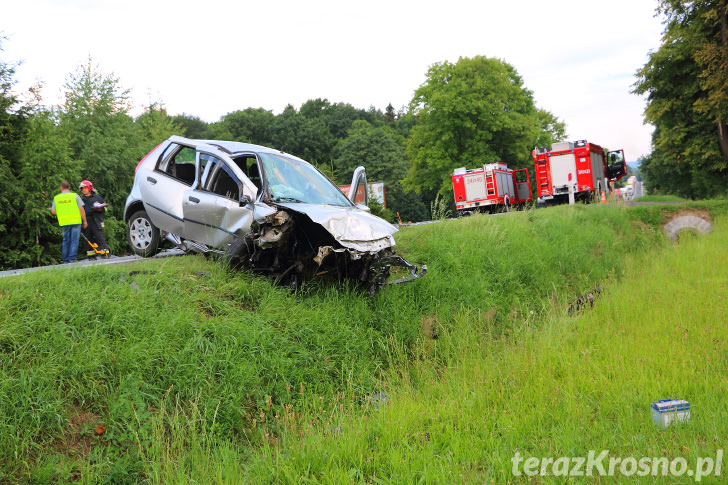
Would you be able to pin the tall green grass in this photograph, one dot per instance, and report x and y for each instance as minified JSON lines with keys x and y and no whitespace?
{"x":193,"y":370}
{"x":561,"y":387}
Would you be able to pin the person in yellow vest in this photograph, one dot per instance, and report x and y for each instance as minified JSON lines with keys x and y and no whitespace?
{"x":68,"y":207}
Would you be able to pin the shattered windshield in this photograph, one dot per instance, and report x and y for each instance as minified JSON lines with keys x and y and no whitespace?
{"x":290,"y":180}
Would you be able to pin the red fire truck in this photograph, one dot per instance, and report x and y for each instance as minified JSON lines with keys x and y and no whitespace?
{"x":579,"y":166}
{"x":490,"y":188}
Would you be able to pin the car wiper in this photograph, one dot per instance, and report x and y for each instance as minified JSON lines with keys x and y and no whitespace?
{"x":287,"y":199}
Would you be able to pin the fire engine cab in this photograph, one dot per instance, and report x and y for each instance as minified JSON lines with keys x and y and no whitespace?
{"x":579,"y":166}
{"x":490,"y":188}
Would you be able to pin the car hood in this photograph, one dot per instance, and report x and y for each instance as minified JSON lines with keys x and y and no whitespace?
{"x":353,"y":228}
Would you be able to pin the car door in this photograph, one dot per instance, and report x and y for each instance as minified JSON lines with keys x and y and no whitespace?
{"x":213,"y":211}
{"x":164,"y":186}
{"x":359,"y":189}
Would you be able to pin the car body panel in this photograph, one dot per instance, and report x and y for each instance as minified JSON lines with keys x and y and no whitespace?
{"x":353,"y":228}
{"x":214,"y":220}
{"x":265,"y":209}
{"x":162,"y":198}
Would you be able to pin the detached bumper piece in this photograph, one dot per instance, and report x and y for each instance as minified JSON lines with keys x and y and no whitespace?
{"x":380,"y":270}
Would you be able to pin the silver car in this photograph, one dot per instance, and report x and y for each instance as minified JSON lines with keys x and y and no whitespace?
{"x":260,"y":208}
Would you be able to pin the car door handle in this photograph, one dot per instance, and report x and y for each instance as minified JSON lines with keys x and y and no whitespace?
{"x":195,"y":200}
{"x":151,"y":180}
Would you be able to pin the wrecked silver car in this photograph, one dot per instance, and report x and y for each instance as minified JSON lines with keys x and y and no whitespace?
{"x":262,"y":209}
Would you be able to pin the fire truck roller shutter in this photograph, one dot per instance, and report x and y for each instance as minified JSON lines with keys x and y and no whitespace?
{"x":505,"y":184}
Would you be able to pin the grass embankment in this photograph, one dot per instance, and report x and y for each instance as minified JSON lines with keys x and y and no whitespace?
{"x":563,"y":387}
{"x":197,"y":374}
{"x":659,"y":198}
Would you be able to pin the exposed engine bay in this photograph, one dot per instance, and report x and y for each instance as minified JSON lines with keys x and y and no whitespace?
{"x":290,"y":248}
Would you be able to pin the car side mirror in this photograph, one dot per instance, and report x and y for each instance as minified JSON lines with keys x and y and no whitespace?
{"x":245,"y":200}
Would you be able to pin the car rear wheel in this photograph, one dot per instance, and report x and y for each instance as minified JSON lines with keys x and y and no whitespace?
{"x":142,"y":235}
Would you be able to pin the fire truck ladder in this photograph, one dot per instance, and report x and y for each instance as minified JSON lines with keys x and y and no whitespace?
{"x":542,"y":174}
{"x":489,"y":182}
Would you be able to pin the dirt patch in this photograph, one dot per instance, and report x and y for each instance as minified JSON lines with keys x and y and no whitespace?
{"x":641,"y":226}
{"x":668,"y":202}
{"x":429,"y":327}
{"x":701,"y":213}
{"x":83,"y":429}
{"x":489,"y":316}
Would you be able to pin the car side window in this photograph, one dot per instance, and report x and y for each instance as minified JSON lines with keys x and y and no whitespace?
{"x":180,"y":164}
{"x":221,"y":180}
{"x":249,"y":165}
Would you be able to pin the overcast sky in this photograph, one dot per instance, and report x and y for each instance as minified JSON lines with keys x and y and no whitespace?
{"x":209,"y":57}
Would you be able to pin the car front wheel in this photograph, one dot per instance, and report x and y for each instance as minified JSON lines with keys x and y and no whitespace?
{"x":142,"y":235}
{"x":238,"y":252}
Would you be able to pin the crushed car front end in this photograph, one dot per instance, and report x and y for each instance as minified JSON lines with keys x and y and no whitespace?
{"x":300,"y":241}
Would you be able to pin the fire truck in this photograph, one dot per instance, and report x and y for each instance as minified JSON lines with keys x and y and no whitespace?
{"x":579,"y":166}
{"x":490,"y":188}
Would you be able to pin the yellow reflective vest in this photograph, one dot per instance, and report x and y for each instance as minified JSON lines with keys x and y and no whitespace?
{"x":67,"y":209}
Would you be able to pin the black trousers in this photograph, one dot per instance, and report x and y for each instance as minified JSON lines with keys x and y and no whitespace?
{"x":95,"y":233}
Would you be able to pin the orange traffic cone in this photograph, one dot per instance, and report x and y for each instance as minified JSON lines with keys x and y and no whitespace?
{"x":604,"y":198}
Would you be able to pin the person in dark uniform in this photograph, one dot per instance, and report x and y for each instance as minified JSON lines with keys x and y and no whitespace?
{"x":94,"y":205}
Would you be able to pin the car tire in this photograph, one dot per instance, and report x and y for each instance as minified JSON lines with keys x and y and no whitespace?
{"x":142,"y":235}
{"x":238,"y":252}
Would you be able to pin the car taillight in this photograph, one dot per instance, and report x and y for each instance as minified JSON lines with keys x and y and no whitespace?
{"x":145,"y":157}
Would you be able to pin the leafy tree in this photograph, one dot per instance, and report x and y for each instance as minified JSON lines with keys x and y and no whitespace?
{"x":193,"y":127}
{"x":155,"y":125}
{"x":707,"y":23}
{"x":389,"y":114}
{"x":686,"y":85}
{"x":551,"y":129}
{"x":14,"y":116}
{"x":304,"y":137}
{"x":102,"y":135}
{"x":45,"y":162}
{"x":339,"y":117}
{"x":252,"y":125}
{"x":472,"y":112}
{"x":403,"y":122}
{"x":381,"y":151}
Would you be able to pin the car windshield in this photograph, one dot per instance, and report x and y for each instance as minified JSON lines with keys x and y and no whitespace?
{"x":291,"y":180}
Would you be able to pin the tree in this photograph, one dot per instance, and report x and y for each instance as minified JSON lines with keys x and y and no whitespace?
{"x":686,"y":85}
{"x":381,"y":151}
{"x":102,"y":135}
{"x":155,"y":125}
{"x":551,"y":129}
{"x":192,"y":127}
{"x":308,"y":138}
{"x":338,"y":117}
{"x":250,"y":125}
{"x":13,"y":129}
{"x":472,"y":112}
{"x":706,"y":24}
{"x":389,"y":114}
{"x":44,"y":163}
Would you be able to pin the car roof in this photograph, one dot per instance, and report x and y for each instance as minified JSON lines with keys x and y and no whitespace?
{"x":232,"y":147}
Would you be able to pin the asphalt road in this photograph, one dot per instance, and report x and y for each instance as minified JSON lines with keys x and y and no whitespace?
{"x":113,"y":260}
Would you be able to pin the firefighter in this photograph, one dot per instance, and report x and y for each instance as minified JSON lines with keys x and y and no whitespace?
{"x":95,"y":206}
{"x":68,"y":207}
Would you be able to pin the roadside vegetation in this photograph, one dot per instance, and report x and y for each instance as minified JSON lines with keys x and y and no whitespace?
{"x":466,"y":113}
{"x":177,"y":370}
{"x":659,"y":198}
